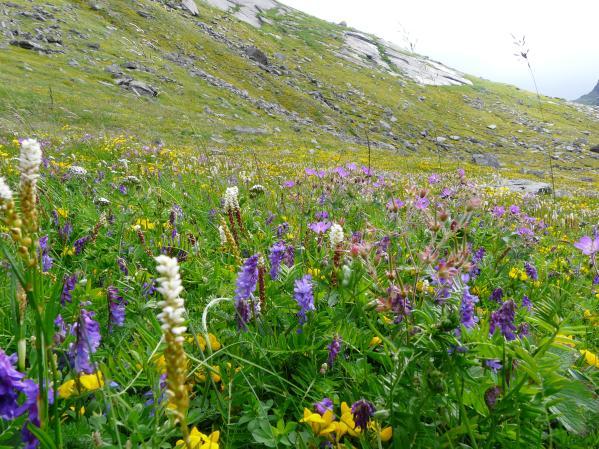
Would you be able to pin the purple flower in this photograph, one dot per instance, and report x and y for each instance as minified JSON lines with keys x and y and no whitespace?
{"x":277,"y":253}
{"x":514,"y":210}
{"x":80,"y":244}
{"x":304,"y":297}
{"x":123,"y":189}
{"x":247,"y":279}
{"x":447,"y":192}
{"x":362,"y":411}
{"x":498,"y":211}
{"x":434,"y":179}
{"x":400,"y":304}
{"x":525,"y":232}
{"x":87,"y":334}
{"x":334,"y":349}
{"x":587,"y":245}
{"x":282,"y":229}
{"x":467,"y":315}
{"x":422,"y":203}
{"x":61,"y":334}
{"x":116,"y":307}
{"x":531,"y":271}
{"x":47,"y":261}
{"x":497,"y":295}
{"x":504,"y":320}
{"x":526,"y":302}
{"x":10,"y":386}
{"x":320,"y":227}
{"x":288,"y":184}
{"x":148,"y":288}
{"x":67,"y":289}
{"x":341,"y":172}
{"x":394,"y":204}
{"x":122,"y":266}
{"x":461,"y":172}
{"x":493,"y":364}
{"x":324,"y":405}
{"x":321,"y":215}
{"x":65,"y":231}
{"x":491,"y":396}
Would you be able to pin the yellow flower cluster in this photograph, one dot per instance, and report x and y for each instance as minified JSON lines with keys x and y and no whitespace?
{"x":517,"y":273}
{"x":198,"y":440}
{"x":326,"y":426}
{"x":85,"y":383}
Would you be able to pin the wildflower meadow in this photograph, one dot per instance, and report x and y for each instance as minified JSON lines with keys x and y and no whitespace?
{"x":161,"y":298}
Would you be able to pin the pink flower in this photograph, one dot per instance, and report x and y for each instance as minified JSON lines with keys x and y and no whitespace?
{"x":587,"y":245}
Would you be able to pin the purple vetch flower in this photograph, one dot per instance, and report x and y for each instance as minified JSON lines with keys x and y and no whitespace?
{"x":504,"y":320}
{"x":65,"y":231}
{"x":320,"y":227}
{"x":334,"y":349}
{"x":304,"y":296}
{"x":497,"y":295}
{"x":277,"y":253}
{"x":122,"y":266}
{"x":123,"y":189}
{"x":247,"y":278}
{"x":321,"y":215}
{"x":289,"y":258}
{"x":523,"y":329}
{"x":588,"y":245}
{"x":362,"y":410}
{"x":467,"y":315}
{"x":80,"y":244}
{"x":47,"y":261}
{"x":531,"y":271}
{"x":491,"y":396}
{"x":116,"y":307}
{"x":11,"y":385}
{"x":87,"y":333}
{"x":148,"y":288}
{"x":61,"y":334}
{"x":526,"y":302}
{"x":282,"y":229}
{"x":67,"y":289}
{"x":493,"y":364}
{"x":269,"y":219}
{"x":324,"y":405}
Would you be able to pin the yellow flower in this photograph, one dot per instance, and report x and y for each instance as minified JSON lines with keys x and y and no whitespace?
{"x":523,"y":276}
{"x":198,"y":440}
{"x":590,"y":358}
{"x":145,"y":223}
{"x":375,"y":341}
{"x":565,"y":340}
{"x":514,"y":273}
{"x":68,"y":251}
{"x":321,"y":425}
{"x":346,"y":422}
{"x":384,"y":434}
{"x":88,"y":382}
{"x":62,"y":212}
{"x":214,"y":343}
{"x":214,"y":374}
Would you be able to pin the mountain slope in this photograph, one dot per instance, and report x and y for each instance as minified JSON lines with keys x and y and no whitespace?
{"x":278,"y":79}
{"x":592,"y":98}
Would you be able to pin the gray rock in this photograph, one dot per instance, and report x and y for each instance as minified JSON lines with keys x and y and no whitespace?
{"x":138,"y":87}
{"x":28,"y":45}
{"x":486,"y":159}
{"x":595,"y":149}
{"x":191,"y":6}
{"x":255,"y":54}
{"x":455,"y":137}
{"x":250,"y":130}
{"x":386,"y":126}
{"x":492,"y":126}
{"x":526,"y":186}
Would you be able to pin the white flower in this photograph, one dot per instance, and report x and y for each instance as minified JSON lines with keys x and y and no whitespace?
{"x":30,"y":159}
{"x":223,"y":236}
{"x":231,"y":199}
{"x":336,"y":234}
{"x":131,"y":180}
{"x":170,"y":288}
{"x":5,"y":192}
{"x":77,"y":172}
{"x":244,"y":177}
{"x":102,"y":201}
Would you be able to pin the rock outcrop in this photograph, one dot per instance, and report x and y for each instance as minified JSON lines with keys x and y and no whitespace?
{"x":592,"y":98}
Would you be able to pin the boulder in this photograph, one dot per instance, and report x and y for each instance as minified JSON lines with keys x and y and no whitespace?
{"x":255,"y":54}
{"x":191,"y":6}
{"x":27,"y":45}
{"x":595,"y":149}
{"x":138,"y":87}
{"x":486,"y":159}
{"x":527,"y":186}
{"x":250,"y":130}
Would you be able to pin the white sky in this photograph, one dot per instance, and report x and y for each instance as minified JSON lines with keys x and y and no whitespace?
{"x":474,"y":35}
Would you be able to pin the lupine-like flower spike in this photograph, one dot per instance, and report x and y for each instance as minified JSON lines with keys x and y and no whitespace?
{"x":29,"y":166}
{"x":336,"y":235}
{"x":173,"y":326}
{"x":5,"y":193}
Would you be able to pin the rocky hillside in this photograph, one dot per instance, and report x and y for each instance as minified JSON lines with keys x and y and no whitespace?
{"x":592,"y":98}
{"x":226,"y":74}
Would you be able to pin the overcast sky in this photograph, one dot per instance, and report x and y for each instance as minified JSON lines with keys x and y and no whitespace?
{"x":474,"y":35}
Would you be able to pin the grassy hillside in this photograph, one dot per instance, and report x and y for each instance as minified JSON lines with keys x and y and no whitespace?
{"x":306,"y":98}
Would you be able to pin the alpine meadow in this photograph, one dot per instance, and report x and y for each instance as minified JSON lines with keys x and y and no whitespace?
{"x":230,"y":224}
